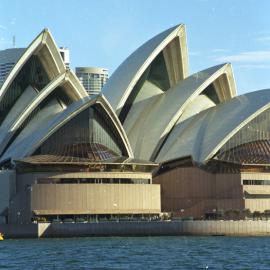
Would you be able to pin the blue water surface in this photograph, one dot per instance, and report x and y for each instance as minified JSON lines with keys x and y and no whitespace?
{"x":137,"y":253}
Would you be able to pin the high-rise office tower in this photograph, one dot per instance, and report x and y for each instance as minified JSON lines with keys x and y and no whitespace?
{"x":92,"y":78}
{"x":8,"y":58}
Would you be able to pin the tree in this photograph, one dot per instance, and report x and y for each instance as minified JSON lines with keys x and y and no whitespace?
{"x":266,"y":213}
{"x":232,"y":214}
{"x":246,"y":213}
{"x":256,"y":215}
{"x":220,"y":214}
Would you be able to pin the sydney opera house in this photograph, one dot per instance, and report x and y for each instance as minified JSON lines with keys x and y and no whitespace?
{"x":157,"y":140}
{"x":65,"y":154}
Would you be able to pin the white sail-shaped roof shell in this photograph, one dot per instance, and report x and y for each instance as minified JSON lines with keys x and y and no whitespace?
{"x":202,"y":135}
{"x":45,"y":48}
{"x":150,"y":120}
{"x":182,"y":115}
{"x":39,"y":131}
{"x":150,"y":111}
{"x":129,"y":72}
{"x":37,"y":114}
{"x":30,"y":100}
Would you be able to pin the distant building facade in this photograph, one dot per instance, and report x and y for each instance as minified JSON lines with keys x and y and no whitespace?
{"x":92,"y":78}
{"x":8,"y":58}
{"x":65,"y":55}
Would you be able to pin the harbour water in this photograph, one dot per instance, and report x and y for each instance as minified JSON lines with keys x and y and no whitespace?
{"x":137,"y":253}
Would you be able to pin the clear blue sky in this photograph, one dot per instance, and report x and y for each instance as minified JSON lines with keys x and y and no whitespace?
{"x":104,"y":32}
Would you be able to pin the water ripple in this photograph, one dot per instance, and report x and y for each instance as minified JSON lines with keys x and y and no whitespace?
{"x":137,"y":253}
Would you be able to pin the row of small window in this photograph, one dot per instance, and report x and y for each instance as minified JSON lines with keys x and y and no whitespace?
{"x":92,"y":75}
{"x":93,"y":181}
{"x":256,"y":182}
{"x":99,"y":82}
{"x":92,"y":81}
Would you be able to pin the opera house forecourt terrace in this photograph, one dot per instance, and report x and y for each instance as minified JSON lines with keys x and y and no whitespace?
{"x":156,"y":140}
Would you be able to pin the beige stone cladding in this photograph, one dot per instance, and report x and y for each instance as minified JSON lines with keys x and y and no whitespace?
{"x":42,"y":194}
{"x":49,"y":199}
{"x":257,"y":195}
{"x":193,"y":192}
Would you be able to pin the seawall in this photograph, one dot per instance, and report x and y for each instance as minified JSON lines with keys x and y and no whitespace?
{"x":232,"y":228}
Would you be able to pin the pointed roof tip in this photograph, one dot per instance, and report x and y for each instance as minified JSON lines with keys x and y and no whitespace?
{"x":46,"y":30}
{"x":221,"y":65}
{"x":215,"y":67}
{"x":102,"y":98}
{"x":101,"y":95}
{"x":174,"y":28}
{"x":178,"y":26}
{"x":226,"y":64}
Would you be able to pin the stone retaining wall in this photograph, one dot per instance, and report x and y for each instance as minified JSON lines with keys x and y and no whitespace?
{"x":233,"y":228}
{"x":19,"y":230}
